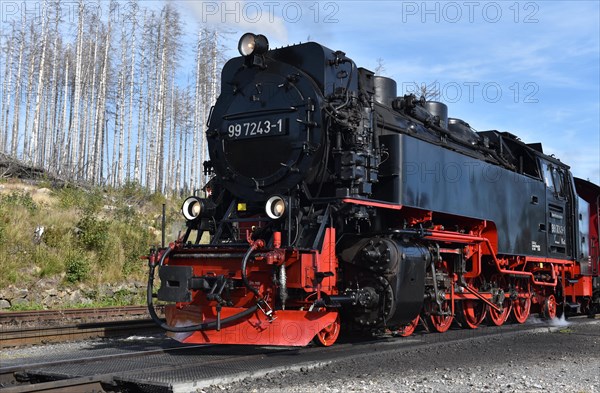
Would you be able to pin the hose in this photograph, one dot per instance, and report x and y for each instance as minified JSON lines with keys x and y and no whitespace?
{"x":244,"y":276}
{"x":203,"y":326}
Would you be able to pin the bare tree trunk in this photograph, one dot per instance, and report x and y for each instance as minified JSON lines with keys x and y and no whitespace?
{"x":88,"y":66}
{"x":158,"y":157}
{"x":185,"y":163}
{"x":212,"y":96}
{"x":43,"y":134}
{"x":74,"y":127}
{"x":18,"y":92}
{"x":54,"y":111}
{"x":180,"y":135}
{"x":131,"y":93}
{"x":32,"y":52}
{"x":113,"y":173}
{"x":137,"y":169}
{"x":172,"y":129}
{"x":7,"y":90}
{"x":152,"y":109}
{"x":197,"y":112}
{"x":119,"y":116}
{"x":63,"y":125}
{"x":91,"y":124}
{"x":35,"y":129}
{"x":54,"y":96}
{"x":101,"y":110}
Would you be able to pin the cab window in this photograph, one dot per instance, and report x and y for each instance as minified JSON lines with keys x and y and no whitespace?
{"x":548,"y":176}
{"x":554,"y":178}
{"x":559,"y":183}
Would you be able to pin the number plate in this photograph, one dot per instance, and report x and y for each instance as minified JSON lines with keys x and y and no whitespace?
{"x":256,"y":128}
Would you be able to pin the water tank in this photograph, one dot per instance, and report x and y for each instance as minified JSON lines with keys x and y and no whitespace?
{"x":438,"y":109}
{"x":385,"y":90}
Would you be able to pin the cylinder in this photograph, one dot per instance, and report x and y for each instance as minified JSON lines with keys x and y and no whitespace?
{"x":385,"y":90}
{"x":438,"y":109}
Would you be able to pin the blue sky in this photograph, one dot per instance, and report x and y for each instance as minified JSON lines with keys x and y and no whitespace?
{"x":528,"y":67}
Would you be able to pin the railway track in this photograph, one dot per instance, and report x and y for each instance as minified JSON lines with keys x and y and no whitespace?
{"x":52,"y":326}
{"x":45,"y":335}
{"x":18,"y":317}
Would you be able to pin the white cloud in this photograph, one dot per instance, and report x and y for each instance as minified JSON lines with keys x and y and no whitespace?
{"x":241,"y":16}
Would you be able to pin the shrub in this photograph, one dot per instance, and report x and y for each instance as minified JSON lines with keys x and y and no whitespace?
{"x":157,"y":199}
{"x":70,"y":197}
{"x":94,"y":201}
{"x":56,"y":237}
{"x":132,"y":191}
{"x":86,"y":201}
{"x":77,"y":267}
{"x":136,"y":246}
{"x":126,"y":214}
{"x":48,"y":261}
{"x":18,"y":199}
{"x":93,"y":235}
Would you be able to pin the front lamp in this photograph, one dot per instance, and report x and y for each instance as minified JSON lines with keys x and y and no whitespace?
{"x":194,"y":207}
{"x":253,"y":44}
{"x":276,"y":207}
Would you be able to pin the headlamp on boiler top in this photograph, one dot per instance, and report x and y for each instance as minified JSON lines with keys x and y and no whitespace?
{"x":253,"y":44}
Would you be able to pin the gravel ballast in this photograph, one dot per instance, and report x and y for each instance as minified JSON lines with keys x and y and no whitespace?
{"x":547,"y":359}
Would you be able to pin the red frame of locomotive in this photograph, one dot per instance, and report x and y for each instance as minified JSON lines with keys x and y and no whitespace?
{"x":536,"y":281}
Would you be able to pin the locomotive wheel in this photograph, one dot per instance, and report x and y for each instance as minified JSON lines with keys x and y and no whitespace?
{"x":409,"y":329}
{"x":522,"y":305}
{"x":550,"y":307}
{"x":495,"y":317}
{"x":470,"y":313}
{"x":439,"y":323}
{"x":498,"y":318}
{"x":328,"y":335}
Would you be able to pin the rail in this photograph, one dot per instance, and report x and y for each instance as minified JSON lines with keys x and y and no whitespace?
{"x":7,"y":317}
{"x":92,"y":323}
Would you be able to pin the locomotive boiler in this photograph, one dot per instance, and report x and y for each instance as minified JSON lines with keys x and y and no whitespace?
{"x":335,"y":203}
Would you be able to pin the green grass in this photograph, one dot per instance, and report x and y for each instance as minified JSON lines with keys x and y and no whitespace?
{"x":26,"y":307}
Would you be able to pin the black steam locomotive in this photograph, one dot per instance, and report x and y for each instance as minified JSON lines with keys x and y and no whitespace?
{"x":334,"y":202}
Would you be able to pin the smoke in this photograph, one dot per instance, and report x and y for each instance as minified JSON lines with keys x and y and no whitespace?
{"x":559,"y":322}
{"x":554,"y":322}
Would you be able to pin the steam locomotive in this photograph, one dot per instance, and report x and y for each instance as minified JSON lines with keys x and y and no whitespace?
{"x":335,"y":203}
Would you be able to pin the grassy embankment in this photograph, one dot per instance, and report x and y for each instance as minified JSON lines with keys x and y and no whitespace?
{"x":90,"y":237}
